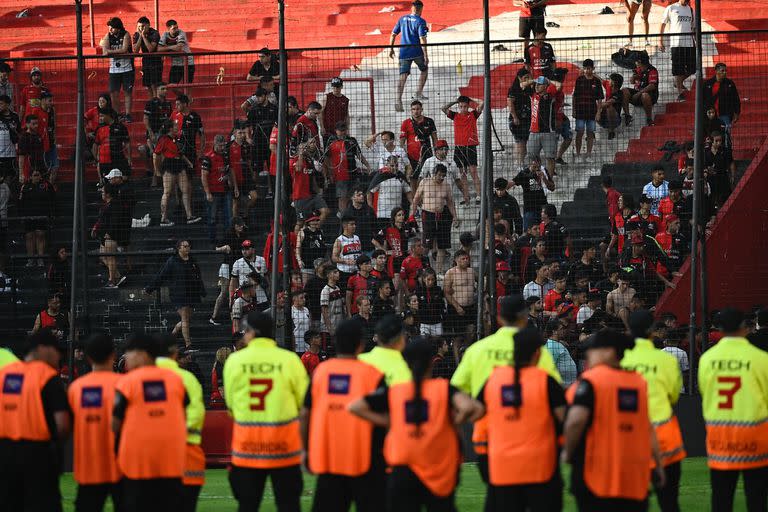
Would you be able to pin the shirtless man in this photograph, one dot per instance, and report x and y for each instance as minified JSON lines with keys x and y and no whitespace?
{"x":617,"y":302}
{"x":459,"y":289}
{"x":438,"y":213}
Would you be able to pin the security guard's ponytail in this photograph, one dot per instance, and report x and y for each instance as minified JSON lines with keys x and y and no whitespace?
{"x":418,"y":355}
{"x":525,"y":344}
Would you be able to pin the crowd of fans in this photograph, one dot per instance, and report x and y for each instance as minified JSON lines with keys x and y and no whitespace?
{"x":394,"y":194}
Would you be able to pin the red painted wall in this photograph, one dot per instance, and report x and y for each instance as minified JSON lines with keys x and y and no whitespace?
{"x":737,"y":266}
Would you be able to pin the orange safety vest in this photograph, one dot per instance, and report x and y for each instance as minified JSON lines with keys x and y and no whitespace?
{"x":618,"y":441}
{"x":22,"y":417}
{"x":154,"y":431}
{"x":339,"y":442}
{"x":670,"y":441}
{"x":92,"y":398}
{"x":431,"y":449}
{"x":522,"y":441}
{"x":194,"y":465}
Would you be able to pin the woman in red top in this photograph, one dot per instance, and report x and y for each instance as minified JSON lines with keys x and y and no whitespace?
{"x":173,"y":166}
{"x":92,"y":119}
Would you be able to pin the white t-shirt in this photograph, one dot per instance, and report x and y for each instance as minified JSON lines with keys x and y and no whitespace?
{"x":390,"y":196}
{"x":241,"y":269}
{"x":584,"y":314}
{"x":532,"y":289}
{"x":181,"y":38}
{"x":382,"y":153}
{"x":301,"y":322}
{"x":429,"y":167}
{"x":680,"y":21}
{"x":334,"y":299}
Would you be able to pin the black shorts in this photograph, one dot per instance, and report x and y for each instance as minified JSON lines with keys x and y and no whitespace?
{"x":683,"y":60}
{"x":31,"y":225}
{"x":437,"y":228}
{"x":457,"y":324}
{"x":122,"y":80}
{"x":520,"y":132}
{"x":636,"y":98}
{"x":465,"y":156}
{"x":529,"y":26}
{"x":174,"y":165}
{"x":152,"y":74}
{"x":544,"y":496}
{"x":8,"y":167}
{"x":176,"y":75}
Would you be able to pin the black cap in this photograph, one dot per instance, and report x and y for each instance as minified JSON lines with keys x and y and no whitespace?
{"x":265,"y":51}
{"x":337,"y":82}
{"x":731,"y":320}
{"x":260,"y":323}
{"x":512,"y":306}
{"x":42,"y":338}
{"x":610,"y":338}
{"x":640,"y":323}
{"x":145,"y":343}
{"x":389,"y":328}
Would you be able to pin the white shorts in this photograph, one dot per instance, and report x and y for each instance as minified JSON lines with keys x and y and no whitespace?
{"x":431,"y":329}
{"x":224,"y":271}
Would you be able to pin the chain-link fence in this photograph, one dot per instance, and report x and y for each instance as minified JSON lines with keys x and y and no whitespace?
{"x":591,"y":204}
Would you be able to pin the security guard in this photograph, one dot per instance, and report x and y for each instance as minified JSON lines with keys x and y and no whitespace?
{"x":662,"y":373}
{"x":150,"y":429}
{"x":422,"y":445}
{"x":264,"y":387}
{"x":608,"y":436}
{"x":733,"y":380}
{"x":92,"y":399}
{"x":484,"y":355}
{"x":34,"y":419}
{"x":387,"y":354}
{"x":194,"y":465}
{"x":525,"y":409}
{"x":7,"y":357}
{"x":341,"y":447}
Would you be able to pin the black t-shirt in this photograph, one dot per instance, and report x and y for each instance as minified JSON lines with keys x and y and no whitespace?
{"x":157,"y":111}
{"x":54,"y":399}
{"x":586,"y":93}
{"x":554,"y":235}
{"x":533,"y":191}
{"x":365,"y":218}
{"x":262,"y":118}
{"x":151,"y":59}
{"x":522,"y":99}
{"x":191,"y":127}
{"x":720,"y":162}
{"x":258,"y":68}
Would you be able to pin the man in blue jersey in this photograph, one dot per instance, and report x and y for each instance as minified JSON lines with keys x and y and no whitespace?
{"x":413,"y":38}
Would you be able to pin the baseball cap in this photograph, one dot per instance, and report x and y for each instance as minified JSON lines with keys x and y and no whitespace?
{"x":637,"y":239}
{"x":542,"y":80}
{"x":502,"y":266}
{"x":671,"y":218}
{"x":35,"y":70}
{"x":588,"y":63}
{"x":114,"y":173}
{"x":610,"y":338}
{"x":337,"y":82}
{"x":247,"y":244}
{"x":441,"y":143}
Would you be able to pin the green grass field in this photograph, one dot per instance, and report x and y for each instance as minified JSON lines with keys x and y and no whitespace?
{"x":216,"y":495}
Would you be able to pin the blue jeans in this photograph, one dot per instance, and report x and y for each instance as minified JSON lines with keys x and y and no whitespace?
{"x":222,"y":202}
{"x":530,"y":218}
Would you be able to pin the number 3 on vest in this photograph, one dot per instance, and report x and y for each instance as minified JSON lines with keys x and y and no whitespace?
{"x":734,"y":384}
{"x":260,"y":388}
